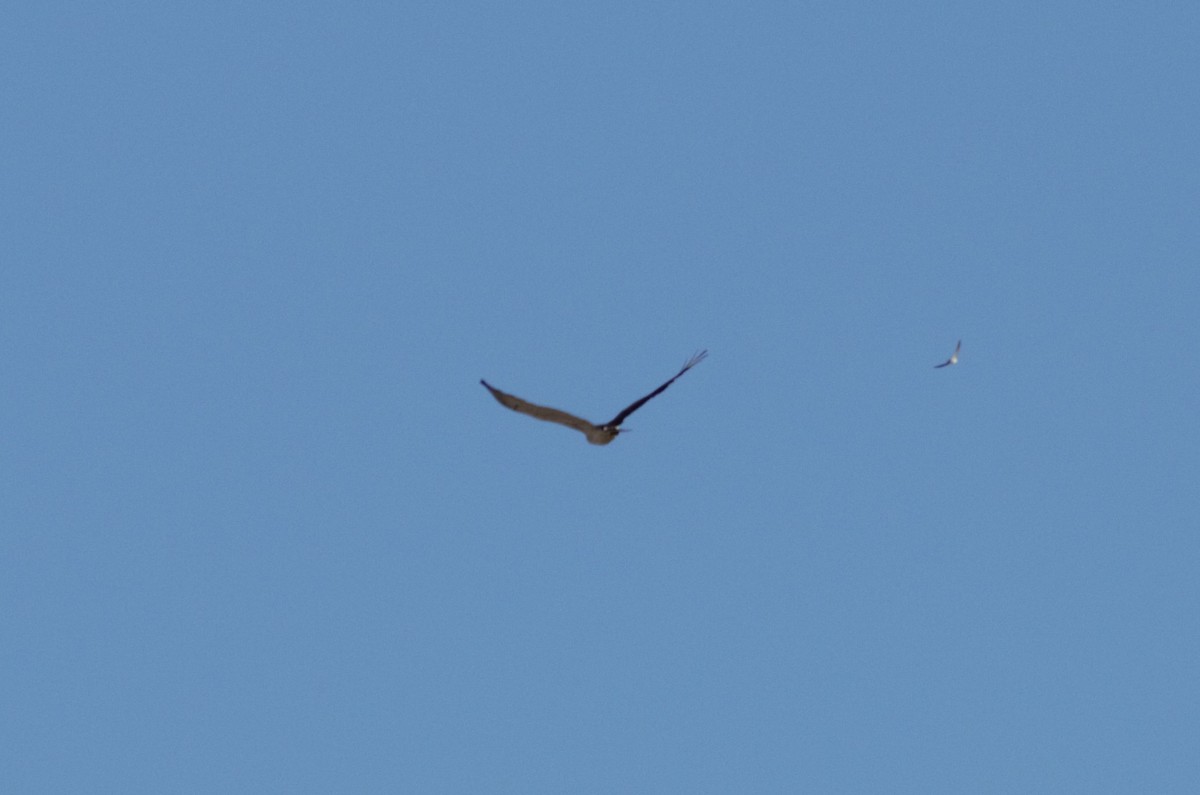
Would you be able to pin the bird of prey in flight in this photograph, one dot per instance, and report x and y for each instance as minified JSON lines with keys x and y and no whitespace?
{"x":953,"y":357}
{"x":596,"y":434}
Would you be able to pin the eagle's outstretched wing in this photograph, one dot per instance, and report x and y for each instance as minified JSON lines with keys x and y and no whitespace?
{"x":637,"y":404}
{"x":539,"y":412}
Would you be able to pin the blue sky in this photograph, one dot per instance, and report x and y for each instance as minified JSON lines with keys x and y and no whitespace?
{"x":263,"y":530}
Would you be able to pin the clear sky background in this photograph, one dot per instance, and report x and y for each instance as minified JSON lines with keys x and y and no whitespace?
{"x":262,"y":530}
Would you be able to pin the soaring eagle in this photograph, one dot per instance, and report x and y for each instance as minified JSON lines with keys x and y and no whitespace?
{"x":953,"y":357}
{"x":596,"y":434}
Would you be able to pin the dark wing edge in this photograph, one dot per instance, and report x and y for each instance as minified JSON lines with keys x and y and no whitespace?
{"x":637,"y":404}
{"x":544,"y":413}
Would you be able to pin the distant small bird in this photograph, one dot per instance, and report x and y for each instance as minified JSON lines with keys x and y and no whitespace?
{"x":953,"y":357}
{"x":596,"y":434}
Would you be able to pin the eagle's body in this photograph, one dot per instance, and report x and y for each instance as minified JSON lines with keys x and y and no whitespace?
{"x":596,"y":434}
